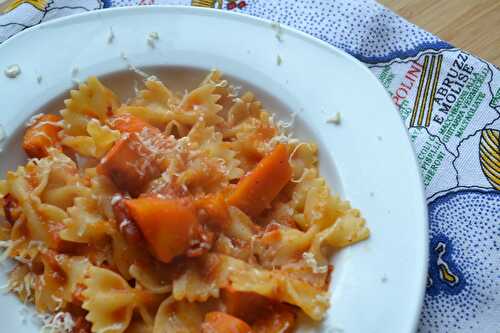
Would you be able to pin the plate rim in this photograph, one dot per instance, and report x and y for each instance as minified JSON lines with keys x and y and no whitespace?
{"x":195,"y":11}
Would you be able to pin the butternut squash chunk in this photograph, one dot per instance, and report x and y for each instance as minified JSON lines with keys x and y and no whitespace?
{"x":169,"y":226}
{"x":42,"y":135}
{"x":130,"y":165}
{"x":255,"y":191}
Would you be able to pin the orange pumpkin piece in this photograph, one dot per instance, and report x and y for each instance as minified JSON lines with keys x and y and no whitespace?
{"x":255,"y":191}
{"x":220,"y":322}
{"x":168,"y":226}
{"x":130,"y":165}
{"x":42,"y":135}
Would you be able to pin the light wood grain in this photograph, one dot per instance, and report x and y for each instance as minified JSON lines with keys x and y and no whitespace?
{"x":472,"y":25}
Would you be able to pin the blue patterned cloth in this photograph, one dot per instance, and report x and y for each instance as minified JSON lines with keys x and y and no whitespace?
{"x":450,"y":103}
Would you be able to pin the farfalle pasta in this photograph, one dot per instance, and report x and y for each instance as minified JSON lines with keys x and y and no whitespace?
{"x":172,"y":212}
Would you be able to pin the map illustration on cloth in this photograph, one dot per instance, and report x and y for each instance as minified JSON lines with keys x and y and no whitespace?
{"x":449,"y":101}
{"x":451,"y":107}
{"x":18,"y":15}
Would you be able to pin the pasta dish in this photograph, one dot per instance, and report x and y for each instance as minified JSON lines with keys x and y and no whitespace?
{"x":170,"y":212}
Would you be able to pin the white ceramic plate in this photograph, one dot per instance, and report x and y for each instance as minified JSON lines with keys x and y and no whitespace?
{"x":377,"y":285}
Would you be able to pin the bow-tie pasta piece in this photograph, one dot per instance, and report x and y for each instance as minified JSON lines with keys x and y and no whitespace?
{"x":91,"y":100}
{"x":248,"y":278}
{"x":99,"y":139}
{"x":61,"y":278}
{"x":202,"y":279}
{"x":154,"y":104}
{"x":181,"y":317}
{"x":85,"y":223}
{"x":199,"y":105}
{"x":212,"y":145}
{"x":109,"y":300}
{"x":42,"y":221}
{"x":154,"y":277}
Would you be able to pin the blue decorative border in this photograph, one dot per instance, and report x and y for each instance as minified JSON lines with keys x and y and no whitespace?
{"x":438,"y":286}
{"x":106,"y":3}
{"x":439,"y":45}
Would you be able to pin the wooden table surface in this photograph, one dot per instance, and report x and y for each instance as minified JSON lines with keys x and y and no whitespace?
{"x":472,"y":25}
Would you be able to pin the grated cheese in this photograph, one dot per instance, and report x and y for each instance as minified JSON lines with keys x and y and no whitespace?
{"x":281,"y":138}
{"x":279,"y":60}
{"x":335,"y":119}
{"x":61,"y":322}
{"x":222,"y":84}
{"x":284,"y":125}
{"x":115,"y":327}
{"x":136,"y":70}
{"x":117,"y":197}
{"x":59,"y":302}
{"x":166,"y":177}
{"x":32,"y":121}
{"x":60,"y":258}
{"x":12,"y":71}
{"x":2,"y":134}
{"x":111,"y":36}
{"x":313,"y":264}
{"x":301,"y":178}
{"x":52,"y":123}
{"x":124,"y":224}
{"x":9,"y":246}
{"x":153,"y":37}
{"x":136,"y":87}
{"x":26,"y":286}
{"x":22,"y":260}
{"x":279,"y":31}
{"x":234,"y":91}
{"x":74,"y":74}
{"x":323,"y":298}
{"x":294,"y":151}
